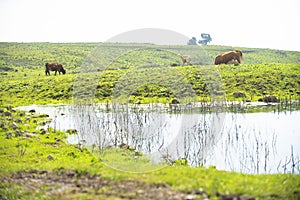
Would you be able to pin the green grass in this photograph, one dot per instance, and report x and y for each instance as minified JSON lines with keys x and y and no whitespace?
{"x":23,"y":82}
{"x":19,"y":153}
{"x":254,"y":80}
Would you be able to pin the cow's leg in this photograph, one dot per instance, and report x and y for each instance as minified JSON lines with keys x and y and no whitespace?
{"x":47,"y":73}
{"x":55,"y":73}
{"x":237,"y":58}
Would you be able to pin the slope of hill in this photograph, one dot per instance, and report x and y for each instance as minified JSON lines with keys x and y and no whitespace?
{"x":23,"y":81}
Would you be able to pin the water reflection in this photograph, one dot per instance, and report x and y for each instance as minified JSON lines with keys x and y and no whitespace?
{"x":249,"y":143}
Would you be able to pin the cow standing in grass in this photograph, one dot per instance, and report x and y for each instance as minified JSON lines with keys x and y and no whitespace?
{"x":186,"y":59}
{"x":54,"y":67}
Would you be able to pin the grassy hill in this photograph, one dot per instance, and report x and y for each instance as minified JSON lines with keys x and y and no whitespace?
{"x":39,"y":164}
{"x":72,"y":55}
{"x":23,"y":80}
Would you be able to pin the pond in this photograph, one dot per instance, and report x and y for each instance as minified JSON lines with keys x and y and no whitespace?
{"x":264,"y":142}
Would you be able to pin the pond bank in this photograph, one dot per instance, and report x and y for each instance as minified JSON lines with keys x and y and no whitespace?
{"x":47,"y":156}
{"x":263,"y":142}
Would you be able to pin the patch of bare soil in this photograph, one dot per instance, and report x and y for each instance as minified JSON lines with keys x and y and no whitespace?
{"x":67,"y":183}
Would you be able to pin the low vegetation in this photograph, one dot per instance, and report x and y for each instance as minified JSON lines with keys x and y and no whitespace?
{"x":39,"y":164}
{"x":264,"y":72}
{"x":50,"y":166}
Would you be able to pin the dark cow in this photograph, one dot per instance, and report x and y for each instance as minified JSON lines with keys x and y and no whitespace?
{"x":234,"y":57}
{"x":54,"y":67}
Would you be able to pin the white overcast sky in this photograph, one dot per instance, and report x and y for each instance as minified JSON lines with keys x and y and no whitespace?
{"x":244,"y":23}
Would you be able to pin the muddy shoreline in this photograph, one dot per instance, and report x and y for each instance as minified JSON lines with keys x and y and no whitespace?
{"x":69,"y":184}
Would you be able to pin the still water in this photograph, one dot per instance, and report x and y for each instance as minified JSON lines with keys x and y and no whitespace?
{"x":266,"y":142}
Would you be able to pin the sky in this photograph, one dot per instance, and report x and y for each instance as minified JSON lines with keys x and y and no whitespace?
{"x":242,"y":23}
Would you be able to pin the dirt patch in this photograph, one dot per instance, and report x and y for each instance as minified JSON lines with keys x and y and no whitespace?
{"x":68,"y":183}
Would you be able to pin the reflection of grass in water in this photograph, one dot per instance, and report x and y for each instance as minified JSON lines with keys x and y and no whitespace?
{"x":127,"y":160}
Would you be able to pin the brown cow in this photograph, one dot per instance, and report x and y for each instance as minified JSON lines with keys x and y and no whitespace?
{"x":235,"y":56}
{"x":186,"y":59}
{"x":54,"y":67}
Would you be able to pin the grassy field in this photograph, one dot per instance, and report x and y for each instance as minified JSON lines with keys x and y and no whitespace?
{"x":23,"y":81}
{"x":39,"y":164}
